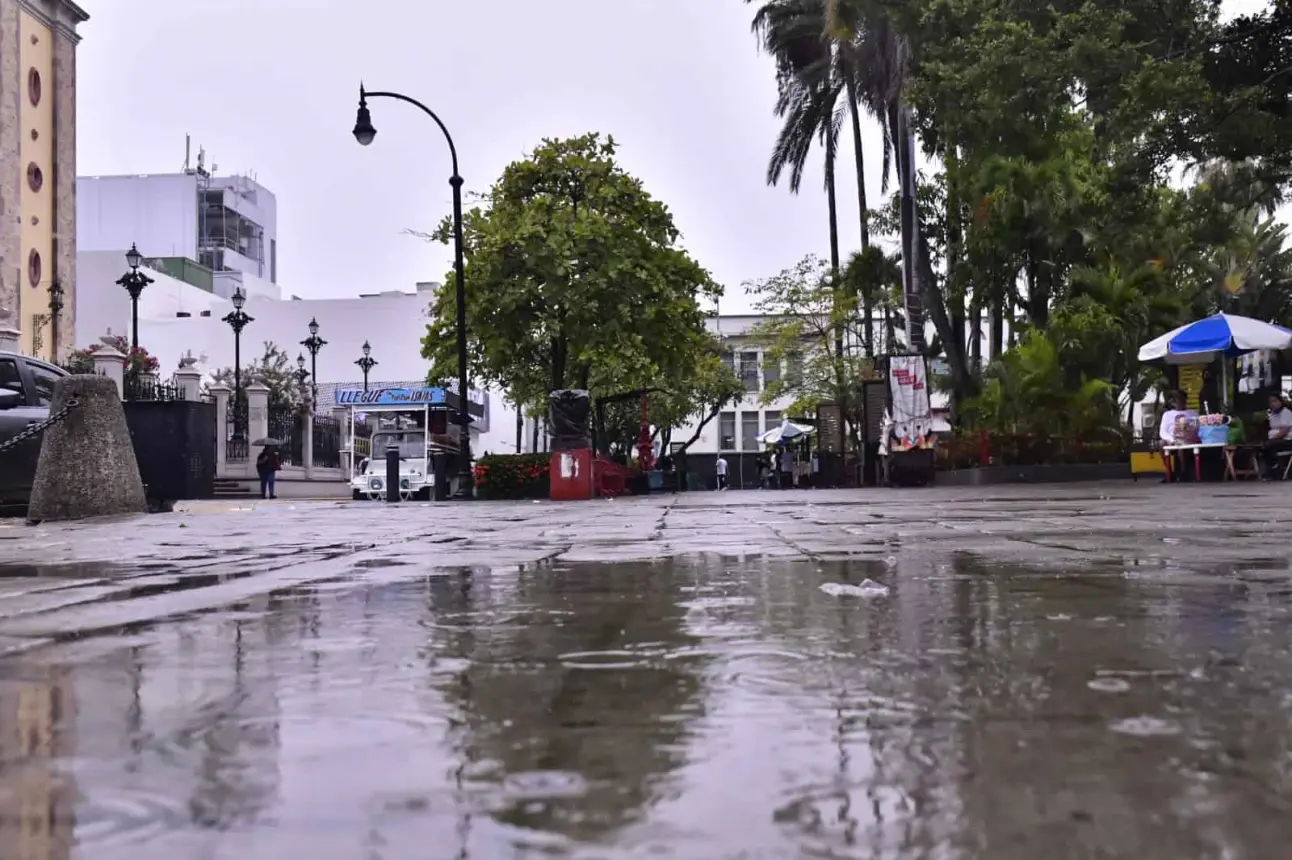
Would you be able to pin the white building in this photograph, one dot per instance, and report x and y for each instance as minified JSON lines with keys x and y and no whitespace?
{"x":217,"y":233}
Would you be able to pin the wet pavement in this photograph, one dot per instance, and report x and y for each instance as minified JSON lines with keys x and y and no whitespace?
{"x":1085,"y":672}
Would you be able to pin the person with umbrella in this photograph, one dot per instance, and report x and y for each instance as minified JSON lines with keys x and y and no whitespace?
{"x":268,"y":463}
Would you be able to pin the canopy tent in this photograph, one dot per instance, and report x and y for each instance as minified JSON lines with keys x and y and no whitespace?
{"x":787,"y":432}
{"x":1221,"y":334}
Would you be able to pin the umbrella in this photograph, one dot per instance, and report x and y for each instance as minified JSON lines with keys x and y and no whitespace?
{"x":784,"y":433}
{"x":1220,"y":334}
{"x":266,"y":442}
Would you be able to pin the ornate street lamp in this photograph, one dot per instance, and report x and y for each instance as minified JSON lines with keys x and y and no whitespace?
{"x":301,"y":373}
{"x":365,"y":133}
{"x":314,"y":343}
{"x":134,"y":281}
{"x":367,"y":363}
{"x":237,"y":320}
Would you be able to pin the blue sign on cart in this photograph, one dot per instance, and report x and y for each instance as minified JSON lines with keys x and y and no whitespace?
{"x":390,"y":397}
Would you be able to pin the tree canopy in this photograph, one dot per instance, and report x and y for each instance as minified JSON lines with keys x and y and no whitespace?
{"x":575,"y":278}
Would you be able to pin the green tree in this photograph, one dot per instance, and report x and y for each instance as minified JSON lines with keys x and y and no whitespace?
{"x":574,"y":278}
{"x":272,"y":369}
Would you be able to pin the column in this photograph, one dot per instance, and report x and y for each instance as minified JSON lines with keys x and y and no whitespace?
{"x":10,"y":339}
{"x":111,"y":363}
{"x":221,"y":393}
{"x":189,"y":381}
{"x":257,"y":418}
{"x":307,"y":429}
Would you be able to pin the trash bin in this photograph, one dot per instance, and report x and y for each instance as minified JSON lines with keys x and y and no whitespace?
{"x":570,"y":473}
{"x":440,"y":469}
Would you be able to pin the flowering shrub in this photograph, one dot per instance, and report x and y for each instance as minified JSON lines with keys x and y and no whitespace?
{"x":138,"y":361}
{"x":512,"y":476}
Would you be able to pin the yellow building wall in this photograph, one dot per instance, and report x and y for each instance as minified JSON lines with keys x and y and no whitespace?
{"x":36,"y":50}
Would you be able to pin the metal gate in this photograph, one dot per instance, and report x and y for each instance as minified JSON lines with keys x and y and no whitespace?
{"x":174,"y":443}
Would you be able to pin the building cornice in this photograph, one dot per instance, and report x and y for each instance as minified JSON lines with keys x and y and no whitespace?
{"x":61,"y":16}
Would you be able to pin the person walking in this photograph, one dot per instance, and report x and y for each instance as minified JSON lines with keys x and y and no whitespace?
{"x":720,"y":469}
{"x":267,"y":465}
{"x":787,"y":469}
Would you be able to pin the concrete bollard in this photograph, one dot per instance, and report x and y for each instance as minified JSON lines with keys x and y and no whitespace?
{"x":392,"y":473}
{"x":87,"y":464}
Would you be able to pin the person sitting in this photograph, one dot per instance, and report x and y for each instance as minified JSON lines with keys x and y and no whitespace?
{"x":1279,"y":437}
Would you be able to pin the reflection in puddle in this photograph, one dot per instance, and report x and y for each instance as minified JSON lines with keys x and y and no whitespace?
{"x":700,"y":708}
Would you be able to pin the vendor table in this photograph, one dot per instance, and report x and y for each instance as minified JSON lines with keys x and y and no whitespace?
{"x":1231,"y":473}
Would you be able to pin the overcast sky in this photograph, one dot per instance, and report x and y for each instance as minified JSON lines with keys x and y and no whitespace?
{"x":269,"y":87}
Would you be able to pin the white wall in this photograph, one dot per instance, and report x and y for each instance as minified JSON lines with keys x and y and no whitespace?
{"x":157,"y":213}
{"x":102,"y":304}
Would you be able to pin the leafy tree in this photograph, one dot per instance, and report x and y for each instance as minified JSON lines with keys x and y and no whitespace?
{"x":574,"y":278}
{"x":272,"y":369}
{"x":805,"y":313}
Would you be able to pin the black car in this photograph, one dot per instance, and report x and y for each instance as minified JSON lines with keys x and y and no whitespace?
{"x":26,"y":392}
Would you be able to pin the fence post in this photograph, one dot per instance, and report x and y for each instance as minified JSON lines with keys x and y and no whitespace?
{"x":257,"y":418}
{"x":307,"y":431}
{"x":189,"y":381}
{"x":111,"y":363}
{"x":221,"y":393}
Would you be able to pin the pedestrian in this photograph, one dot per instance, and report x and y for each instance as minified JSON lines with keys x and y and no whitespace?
{"x":764,"y":472}
{"x":267,"y":465}
{"x":787,"y":469}
{"x":1279,"y":436}
{"x":720,"y":469}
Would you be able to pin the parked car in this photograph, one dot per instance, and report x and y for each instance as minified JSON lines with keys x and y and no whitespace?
{"x":26,"y":392}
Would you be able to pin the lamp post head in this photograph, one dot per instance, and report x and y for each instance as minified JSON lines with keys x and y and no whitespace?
{"x":133,"y":257}
{"x":239,"y":299}
{"x":300,"y":361}
{"x":55,"y":298}
{"x":363,"y":130}
{"x":367,"y":349}
{"x":314,"y":327}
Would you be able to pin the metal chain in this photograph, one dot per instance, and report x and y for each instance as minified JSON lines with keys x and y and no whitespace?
{"x":36,"y":429}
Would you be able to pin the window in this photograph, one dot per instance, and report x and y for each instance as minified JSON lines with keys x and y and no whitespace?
{"x":43,"y":381}
{"x":749,"y":431}
{"x":727,"y":431}
{"x":273,"y":260}
{"x":771,"y":370}
{"x":794,"y":369}
{"x":771,"y":419}
{"x":9,"y":377}
{"x":729,"y":361}
{"x":749,"y":370}
{"x":33,"y":86}
{"x":34,"y":268}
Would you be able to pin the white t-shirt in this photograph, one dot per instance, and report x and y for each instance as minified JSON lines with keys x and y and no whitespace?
{"x":1279,"y":421}
{"x":1166,"y":430}
{"x":720,"y":466}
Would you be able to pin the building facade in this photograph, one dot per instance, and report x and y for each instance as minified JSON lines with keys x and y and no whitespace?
{"x":217,"y":233}
{"x":38,"y":171}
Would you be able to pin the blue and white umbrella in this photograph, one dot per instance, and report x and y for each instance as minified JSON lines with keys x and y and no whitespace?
{"x":1220,"y":334}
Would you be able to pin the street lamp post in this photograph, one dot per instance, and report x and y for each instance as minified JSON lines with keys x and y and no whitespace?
{"x":237,"y":320}
{"x":134,"y":281}
{"x":301,"y":373}
{"x":365,"y":133}
{"x":367,"y":363}
{"x":314,"y":343}
{"x":55,"y":308}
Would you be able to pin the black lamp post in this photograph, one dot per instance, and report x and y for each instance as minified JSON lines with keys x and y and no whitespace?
{"x":134,"y":281}
{"x":301,"y":373}
{"x":314,"y":343}
{"x":55,"y":308}
{"x":365,"y":133}
{"x":367,"y":363}
{"x":237,"y":320}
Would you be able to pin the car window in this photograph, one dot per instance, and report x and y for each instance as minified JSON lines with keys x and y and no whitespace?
{"x":43,"y":381}
{"x":9,"y":377}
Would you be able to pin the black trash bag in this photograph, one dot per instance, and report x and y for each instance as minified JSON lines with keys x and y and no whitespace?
{"x":567,"y":416}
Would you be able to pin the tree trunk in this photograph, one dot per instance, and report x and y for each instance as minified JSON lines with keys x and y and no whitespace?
{"x":867,"y":297}
{"x":832,"y":204}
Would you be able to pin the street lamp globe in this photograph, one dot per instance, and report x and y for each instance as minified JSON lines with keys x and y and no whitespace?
{"x":133,"y":257}
{"x":300,"y":362}
{"x":367,"y":349}
{"x":239,"y":299}
{"x":314,"y":327}
{"x":363,"y":130}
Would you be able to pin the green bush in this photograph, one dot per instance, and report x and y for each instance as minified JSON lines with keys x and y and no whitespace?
{"x":513,"y":476}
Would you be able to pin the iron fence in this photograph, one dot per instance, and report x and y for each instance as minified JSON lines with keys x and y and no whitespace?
{"x":149,"y":389}
{"x":327,"y":442}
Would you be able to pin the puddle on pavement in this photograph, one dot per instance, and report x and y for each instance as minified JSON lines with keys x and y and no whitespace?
{"x":701,"y":708}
